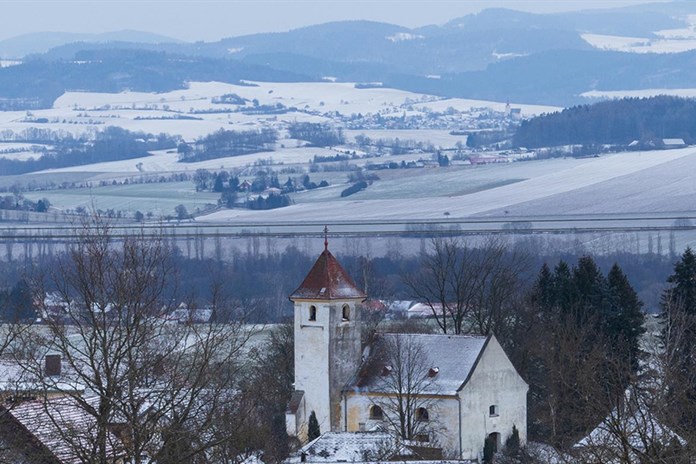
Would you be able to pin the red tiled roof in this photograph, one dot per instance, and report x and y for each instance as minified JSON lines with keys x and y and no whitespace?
{"x":327,"y":280}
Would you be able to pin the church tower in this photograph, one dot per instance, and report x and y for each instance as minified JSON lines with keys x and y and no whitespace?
{"x":327,"y":344}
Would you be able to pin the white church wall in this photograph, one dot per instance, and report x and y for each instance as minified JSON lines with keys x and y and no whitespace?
{"x":494,"y":382}
{"x":443,"y":424}
{"x":312,"y":360}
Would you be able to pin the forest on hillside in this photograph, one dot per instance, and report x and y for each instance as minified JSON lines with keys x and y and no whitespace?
{"x":616,"y":122}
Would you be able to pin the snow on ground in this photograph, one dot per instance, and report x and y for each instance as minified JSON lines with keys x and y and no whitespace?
{"x":321,"y":96}
{"x":576,"y":175}
{"x":662,"y":188}
{"x":688,"y":93}
{"x":19,"y":151}
{"x":688,"y":32}
{"x":462,"y":104}
{"x":640,"y":44}
{"x":81,"y":113}
{"x":160,"y":199}
{"x":439,"y":138}
{"x":168,"y":161}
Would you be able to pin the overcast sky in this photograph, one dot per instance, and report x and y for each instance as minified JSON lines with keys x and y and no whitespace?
{"x":213,"y":19}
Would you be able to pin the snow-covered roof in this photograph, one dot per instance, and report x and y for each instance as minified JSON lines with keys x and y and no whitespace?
{"x":61,"y":425}
{"x":448,"y":360}
{"x":327,"y":280}
{"x":633,"y":422}
{"x":674,"y":142}
{"x":21,"y":379}
{"x":351,"y":447}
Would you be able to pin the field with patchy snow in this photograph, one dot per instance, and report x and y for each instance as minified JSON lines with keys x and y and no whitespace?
{"x":159,"y":199}
{"x":494,"y":189}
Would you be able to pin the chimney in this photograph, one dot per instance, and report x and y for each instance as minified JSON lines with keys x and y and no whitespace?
{"x":52,"y":365}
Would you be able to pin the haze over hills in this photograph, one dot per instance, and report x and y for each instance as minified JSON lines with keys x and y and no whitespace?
{"x":41,"y":42}
{"x":497,"y":54}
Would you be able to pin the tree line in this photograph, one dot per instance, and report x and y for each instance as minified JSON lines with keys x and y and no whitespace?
{"x":317,"y":134}
{"x":224,"y":143}
{"x":111,"y":144}
{"x":616,"y":122}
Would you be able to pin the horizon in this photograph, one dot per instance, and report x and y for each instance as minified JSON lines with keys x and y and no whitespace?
{"x":212,"y":20}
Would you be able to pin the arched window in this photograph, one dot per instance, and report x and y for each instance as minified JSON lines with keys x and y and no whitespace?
{"x":346,"y":313}
{"x":493,"y":410}
{"x":312,"y":313}
{"x":422,"y":415}
{"x":376,"y":413}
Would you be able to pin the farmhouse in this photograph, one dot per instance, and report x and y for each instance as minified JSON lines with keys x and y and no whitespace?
{"x":464,"y":389}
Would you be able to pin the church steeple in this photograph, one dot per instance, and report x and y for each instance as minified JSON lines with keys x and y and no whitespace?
{"x":327,"y":280}
{"x":327,"y":342}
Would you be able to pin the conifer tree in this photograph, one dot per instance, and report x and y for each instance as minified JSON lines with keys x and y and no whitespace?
{"x":624,"y":323}
{"x":679,"y":337}
{"x":313,"y":430}
{"x":512,"y":444}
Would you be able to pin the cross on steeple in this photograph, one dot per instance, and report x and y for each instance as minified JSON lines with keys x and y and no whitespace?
{"x":326,"y":238}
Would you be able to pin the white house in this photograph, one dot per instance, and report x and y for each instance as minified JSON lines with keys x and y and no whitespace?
{"x":472,"y":389}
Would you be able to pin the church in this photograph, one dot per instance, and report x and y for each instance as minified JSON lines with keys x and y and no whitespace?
{"x":465,"y":388}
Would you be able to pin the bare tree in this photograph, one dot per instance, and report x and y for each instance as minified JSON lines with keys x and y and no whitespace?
{"x":405,"y":375}
{"x":468,"y":289}
{"x":158,"y":387}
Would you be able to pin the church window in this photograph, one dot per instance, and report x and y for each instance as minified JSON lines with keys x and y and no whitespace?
{"x":422,"y":415}
{"x":346,"y":313}
{"x":493,"y":410}
{"x":312,"y":313}
{"x":376,"y":413}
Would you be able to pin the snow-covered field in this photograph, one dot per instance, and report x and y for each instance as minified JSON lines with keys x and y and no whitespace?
{"x":18,"y":151}
{"x":84,"y":112}
{"x":160,"y":199}
{"x":168,"y":161}
{"x":439,"y":138}
{"x":660,"y":188}
{"x":546,"y":180}
{"x":666,"y":41}
{"x":640,"y":44}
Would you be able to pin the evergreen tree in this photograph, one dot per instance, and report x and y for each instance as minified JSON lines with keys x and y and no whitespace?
{"x":679,"y":315}
{"x":591,"y":288}
{"x":543,"y":291}
{"x":563,"y":288}
{"x":625,"y":321}
{"x":512,"y":444}
{"x":683,"y":290}
{"x":313,"y":427}
{"x":19,"y":302}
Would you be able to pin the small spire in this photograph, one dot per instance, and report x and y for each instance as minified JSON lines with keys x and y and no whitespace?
{"x":326,"y":238}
